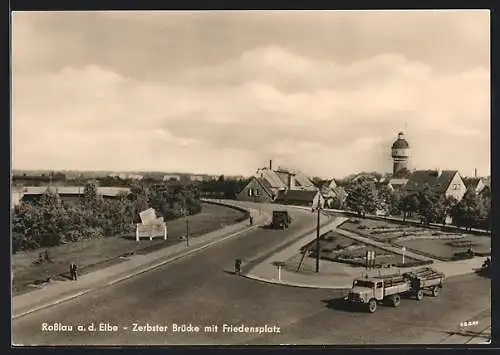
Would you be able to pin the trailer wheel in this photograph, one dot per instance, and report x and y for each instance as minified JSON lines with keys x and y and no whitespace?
{"x":420,"y":295}
{"x":436,"y":290}
{"x":372,"y":305}
{"x":396,"y":300}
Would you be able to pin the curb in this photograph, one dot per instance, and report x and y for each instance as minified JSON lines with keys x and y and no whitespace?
{"x":301,"y":285}
{"x":140,"y":271}
{"x":295,"y":284}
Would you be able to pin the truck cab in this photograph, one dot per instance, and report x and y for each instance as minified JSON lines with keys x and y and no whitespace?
{"x":363,"y":290}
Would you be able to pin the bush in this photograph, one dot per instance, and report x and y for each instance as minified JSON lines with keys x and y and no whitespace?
{"x":362,"y":227}
{"x":355,"y":221}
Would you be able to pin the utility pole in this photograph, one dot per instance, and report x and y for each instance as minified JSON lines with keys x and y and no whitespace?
{"x":317,"y":232}
{"x":186,"y":214}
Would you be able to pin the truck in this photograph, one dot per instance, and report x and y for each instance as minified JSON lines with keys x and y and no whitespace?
{"x":281,"y":220}
{"x":388,"y":289}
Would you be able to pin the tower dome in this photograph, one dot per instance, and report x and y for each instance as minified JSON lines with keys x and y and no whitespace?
{"x":401,"y":142}
{"x":400,"y":154}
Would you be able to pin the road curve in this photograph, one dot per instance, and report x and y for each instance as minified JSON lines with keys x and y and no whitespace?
{"x":196,"y":290}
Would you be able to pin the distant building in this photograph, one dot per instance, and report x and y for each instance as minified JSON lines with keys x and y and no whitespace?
{"x":476,"y":184}
{"x":442,"y":182}
{"x":267,"y":184}
{"x":69,"y":193}
{"x":298,"y":197}
{"x":400,"y":152}
{"x":171,"y":177}
{"x":196,"y":178}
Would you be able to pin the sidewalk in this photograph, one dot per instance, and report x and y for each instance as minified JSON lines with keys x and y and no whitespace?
{"x":60,"y":291}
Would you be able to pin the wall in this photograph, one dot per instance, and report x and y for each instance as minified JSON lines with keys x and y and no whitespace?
{"x":460,"y":189}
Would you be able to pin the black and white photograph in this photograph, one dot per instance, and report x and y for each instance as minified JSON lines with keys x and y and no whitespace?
{"x":250,"y":177}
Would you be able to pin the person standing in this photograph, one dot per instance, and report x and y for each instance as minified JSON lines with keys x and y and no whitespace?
{"x":71,"y":271}
{"x":75,"y":272}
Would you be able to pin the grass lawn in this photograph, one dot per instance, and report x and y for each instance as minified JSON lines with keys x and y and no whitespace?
{"x":338,"y":248}
{"x":90,"y":255}
{"x":431,"y":242}
{"x":446,"y":248}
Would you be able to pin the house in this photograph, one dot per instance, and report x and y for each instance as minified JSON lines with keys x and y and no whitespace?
{"x":393,"y":183}
{"x":307,"y":198}
{"x":443,"y":182}
{"x":478,"y":185}
{"x":69,"y":193}
{"x":171,"y":177}
{"x":257,"y":190}
{"x":267,"y":183}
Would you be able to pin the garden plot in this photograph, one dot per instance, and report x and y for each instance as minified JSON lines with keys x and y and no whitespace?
{"x":337,"y":248}
{"x":429,"y":242}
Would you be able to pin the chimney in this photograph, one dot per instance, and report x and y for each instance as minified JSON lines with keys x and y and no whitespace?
{"x":291,"y":182}
{"x":475,"y":173}
{"x":270,"y":165}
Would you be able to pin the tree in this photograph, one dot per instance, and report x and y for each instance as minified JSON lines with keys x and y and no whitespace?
{"x":408,"y":204}
{"x":384,"y":196}
{"x":446,"y":203}
{"x":395,"y":203}
{"x":467,"y":212}
{"x":362,"y":197}
{"x":429,"y":205}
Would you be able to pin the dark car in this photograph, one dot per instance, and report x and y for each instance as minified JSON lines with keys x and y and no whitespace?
{"x":281,"y":220}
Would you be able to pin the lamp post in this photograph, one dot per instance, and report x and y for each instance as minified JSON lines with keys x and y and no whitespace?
{"x":318,"y":208}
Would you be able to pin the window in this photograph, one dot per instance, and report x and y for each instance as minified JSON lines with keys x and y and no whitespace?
{"x":379,"y":285}
{"x":455,"y":187}
{"x":257,"y":192}
{"x":250,"y":192}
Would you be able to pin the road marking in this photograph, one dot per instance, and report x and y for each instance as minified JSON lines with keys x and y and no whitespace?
{"x":177,"y":257}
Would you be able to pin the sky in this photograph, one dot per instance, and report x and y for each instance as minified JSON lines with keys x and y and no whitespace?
{"x":223,"y":92}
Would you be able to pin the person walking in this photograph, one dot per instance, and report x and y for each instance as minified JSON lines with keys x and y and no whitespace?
{"x":237,"y":266}
{"x":75,"y":272}
{"x":251,"y":220}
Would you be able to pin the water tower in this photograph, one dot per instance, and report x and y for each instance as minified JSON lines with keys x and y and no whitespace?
{"x":400,"y":154}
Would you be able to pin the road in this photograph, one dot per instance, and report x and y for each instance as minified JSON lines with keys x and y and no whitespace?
{"x":196,"y":290}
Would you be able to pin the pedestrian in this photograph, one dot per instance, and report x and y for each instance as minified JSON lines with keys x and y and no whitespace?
{"x":75,"y":272}
{"x":237,"y":266}
{"x":251,"y":220}
{"x":71,"y":270}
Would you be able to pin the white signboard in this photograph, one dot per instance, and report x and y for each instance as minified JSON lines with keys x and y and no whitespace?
{"x":147,"y":216}
{"x":318,"y":201}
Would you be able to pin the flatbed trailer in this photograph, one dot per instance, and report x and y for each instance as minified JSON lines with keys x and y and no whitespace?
{"x":370,"y":291}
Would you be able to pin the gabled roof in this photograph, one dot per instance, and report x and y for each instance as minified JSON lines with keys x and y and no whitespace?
{"x":272,"y":179}
{"x":437,"y":182}
{"x":296,"y":195}
{"x":265,"y":186}
{"x":472,"y":183}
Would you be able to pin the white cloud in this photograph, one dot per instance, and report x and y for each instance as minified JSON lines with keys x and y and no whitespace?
{"x":322,"y":114}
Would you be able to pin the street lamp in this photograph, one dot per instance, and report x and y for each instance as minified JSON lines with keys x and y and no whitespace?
{"x":318,"y":208}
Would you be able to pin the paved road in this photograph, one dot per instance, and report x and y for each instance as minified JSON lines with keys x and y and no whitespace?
{"x":196,"y":290}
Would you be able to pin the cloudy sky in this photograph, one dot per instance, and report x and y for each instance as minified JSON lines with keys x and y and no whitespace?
{"x":223,"y":92}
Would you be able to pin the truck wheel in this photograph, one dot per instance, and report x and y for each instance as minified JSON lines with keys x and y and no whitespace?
{"x":420,"y":295}
{"x":372,"y":305}
{"x":435,"y":291}
{"x":396,"y":300}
